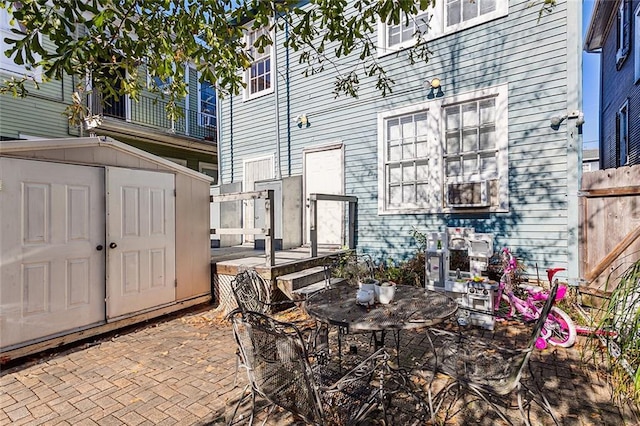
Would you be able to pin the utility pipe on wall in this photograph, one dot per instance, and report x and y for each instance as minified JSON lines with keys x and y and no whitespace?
{"x":274,"y":68}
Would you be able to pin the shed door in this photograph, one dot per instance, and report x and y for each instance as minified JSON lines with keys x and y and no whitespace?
{"x":51,"y":272}
{"x":140,"y":240}
{"x":324,"y":174}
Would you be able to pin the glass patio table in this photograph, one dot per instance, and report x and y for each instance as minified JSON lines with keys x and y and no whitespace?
{"x":411,"y":308}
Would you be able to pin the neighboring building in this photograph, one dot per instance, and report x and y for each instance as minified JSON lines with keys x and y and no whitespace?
{"x":467,"y":140}
{"x":190,"y":141}
{"x":614,"y":32}
{"x":590,"y":160}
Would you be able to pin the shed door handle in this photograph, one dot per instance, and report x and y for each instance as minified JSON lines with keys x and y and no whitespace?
{"x":113,"y":245}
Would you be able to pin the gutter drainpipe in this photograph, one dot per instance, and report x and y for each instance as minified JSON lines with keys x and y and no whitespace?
{"x":275,"y":91}
{"x":286,"y":29}
{"x":231,"y":136}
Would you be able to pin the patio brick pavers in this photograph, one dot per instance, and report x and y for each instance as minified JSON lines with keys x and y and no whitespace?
{"x":180,"y":371}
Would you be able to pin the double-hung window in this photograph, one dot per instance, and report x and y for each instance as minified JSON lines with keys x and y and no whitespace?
{"x":622,"y":135}
{"x":623,"y":38}
{"x":636,"y":43}
{"x":445,"y":155}
{"x":207,"y":104}
{"x":258,"y":76}
{"x":7,"y":65}
{"x":444,"y":17}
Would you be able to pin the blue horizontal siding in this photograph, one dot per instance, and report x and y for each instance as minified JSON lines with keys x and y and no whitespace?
{"x":530,"y":56}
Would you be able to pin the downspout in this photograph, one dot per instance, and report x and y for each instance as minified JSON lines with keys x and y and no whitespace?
{"x":287,"y":82}
{"x":274,"y":67}
{"x":218,"y":134}
{"x":574,"y":139}
{"x":231,"y":135}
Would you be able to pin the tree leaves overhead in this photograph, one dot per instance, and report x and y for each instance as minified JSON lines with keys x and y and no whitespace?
{"x":107,"y":38}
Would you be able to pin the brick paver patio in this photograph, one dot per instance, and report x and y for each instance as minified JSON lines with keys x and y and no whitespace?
{"x":180,"y":371}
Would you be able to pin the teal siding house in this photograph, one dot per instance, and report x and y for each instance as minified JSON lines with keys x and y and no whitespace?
{"x":486,"y":135}
{"x":190,"y":141}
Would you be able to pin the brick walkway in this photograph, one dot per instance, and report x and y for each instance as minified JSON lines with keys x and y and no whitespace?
{"x":180,"y":371}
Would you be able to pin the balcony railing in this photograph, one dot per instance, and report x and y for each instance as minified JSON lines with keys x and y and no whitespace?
{"x":151,"y":112}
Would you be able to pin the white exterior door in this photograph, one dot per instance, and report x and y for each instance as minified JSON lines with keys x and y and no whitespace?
{"x":324,"y":174}
{"x":51,"y":249}
{"x":254,"y":170}
{"x":140,"y":240}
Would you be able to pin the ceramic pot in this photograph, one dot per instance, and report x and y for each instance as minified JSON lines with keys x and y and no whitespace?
{"x":386,"y":292}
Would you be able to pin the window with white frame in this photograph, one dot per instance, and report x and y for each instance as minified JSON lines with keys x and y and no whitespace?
{"x":623,"y":37}
{"x":622,"y":134}
{"x":207,"y":104}
{"x":7,"y":65}
{"x":445,"y":17}
{"x":459,"y":11}
{"x":449,"y":154}
{"x":636,"y":43}
{"x":155,"y":82}
{"x":258,"y":75}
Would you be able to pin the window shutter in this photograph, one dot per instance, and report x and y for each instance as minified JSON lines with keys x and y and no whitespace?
{"x":626,"y":28}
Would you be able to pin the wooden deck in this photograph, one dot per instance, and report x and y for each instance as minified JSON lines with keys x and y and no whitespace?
{"x":230,"y":260}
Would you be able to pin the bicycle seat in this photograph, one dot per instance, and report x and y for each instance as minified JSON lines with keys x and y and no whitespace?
{"x":552,"y":271}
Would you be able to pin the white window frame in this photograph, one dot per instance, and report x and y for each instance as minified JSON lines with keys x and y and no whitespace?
{"x":435,"y":110}
{"x":7,"y":66}
{"x":636,"y":43}
{"x":437,"y":26}
{"x":622,"y":135}
{"x":248,"y":94}
{"x":204,"y":118}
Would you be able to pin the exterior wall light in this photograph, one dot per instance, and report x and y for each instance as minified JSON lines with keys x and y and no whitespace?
{"x":302,"y":121}
{"x":435,"y":88}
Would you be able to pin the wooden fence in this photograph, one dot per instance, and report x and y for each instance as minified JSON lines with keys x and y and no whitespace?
{"x":610,"y":234}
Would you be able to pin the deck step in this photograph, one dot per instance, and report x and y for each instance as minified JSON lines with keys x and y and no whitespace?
{"x":296,"y":280}
{"x":306,"y":291}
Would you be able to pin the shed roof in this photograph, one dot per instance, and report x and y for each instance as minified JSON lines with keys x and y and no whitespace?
{"x":16,"y":147}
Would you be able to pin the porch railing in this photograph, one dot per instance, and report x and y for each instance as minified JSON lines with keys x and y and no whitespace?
{"x":267,"y":230}
{"x":313,"y":219}
{"x":149,"y":111}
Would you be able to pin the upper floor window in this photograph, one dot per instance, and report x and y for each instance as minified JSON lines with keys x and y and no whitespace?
{"x":459,"y":11}
{"x":623,"y":37}
{"x":156,"y":83}
{"x":636,"y":45}
{"x":258,"y":76}
{"x":207,"y":104}
{"x":7,"y":65}
{"x":446,"y":155}
{"x":622,"y":134}
{"x":445,"y":17}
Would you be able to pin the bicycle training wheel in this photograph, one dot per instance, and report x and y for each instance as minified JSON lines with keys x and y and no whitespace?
{"x":561,"y":329}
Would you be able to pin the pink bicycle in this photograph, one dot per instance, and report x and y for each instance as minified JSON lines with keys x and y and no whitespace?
{"x":559,"y":329}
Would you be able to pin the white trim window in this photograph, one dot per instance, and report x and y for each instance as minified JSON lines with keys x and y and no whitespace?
{"x":636,"y":43}
{"x":622,"y":135}
{"x":207,"y":104}
{"x":7,"y":65}
{"x":445,"y":155}
{"x":258,"y":76}
{"x":446,"y":17}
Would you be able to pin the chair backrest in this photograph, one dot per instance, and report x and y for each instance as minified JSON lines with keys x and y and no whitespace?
{"x":278,"y":365}
{"x":251,"y":292}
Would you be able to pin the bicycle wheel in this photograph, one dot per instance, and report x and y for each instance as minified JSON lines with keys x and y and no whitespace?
{"x":561,"y":328}
{"x":505,"y":308}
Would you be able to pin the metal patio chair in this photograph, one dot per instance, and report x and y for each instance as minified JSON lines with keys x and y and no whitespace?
{"x":279,"y":371}
{"x":489,"y":371}
{"x":252,"y":293}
